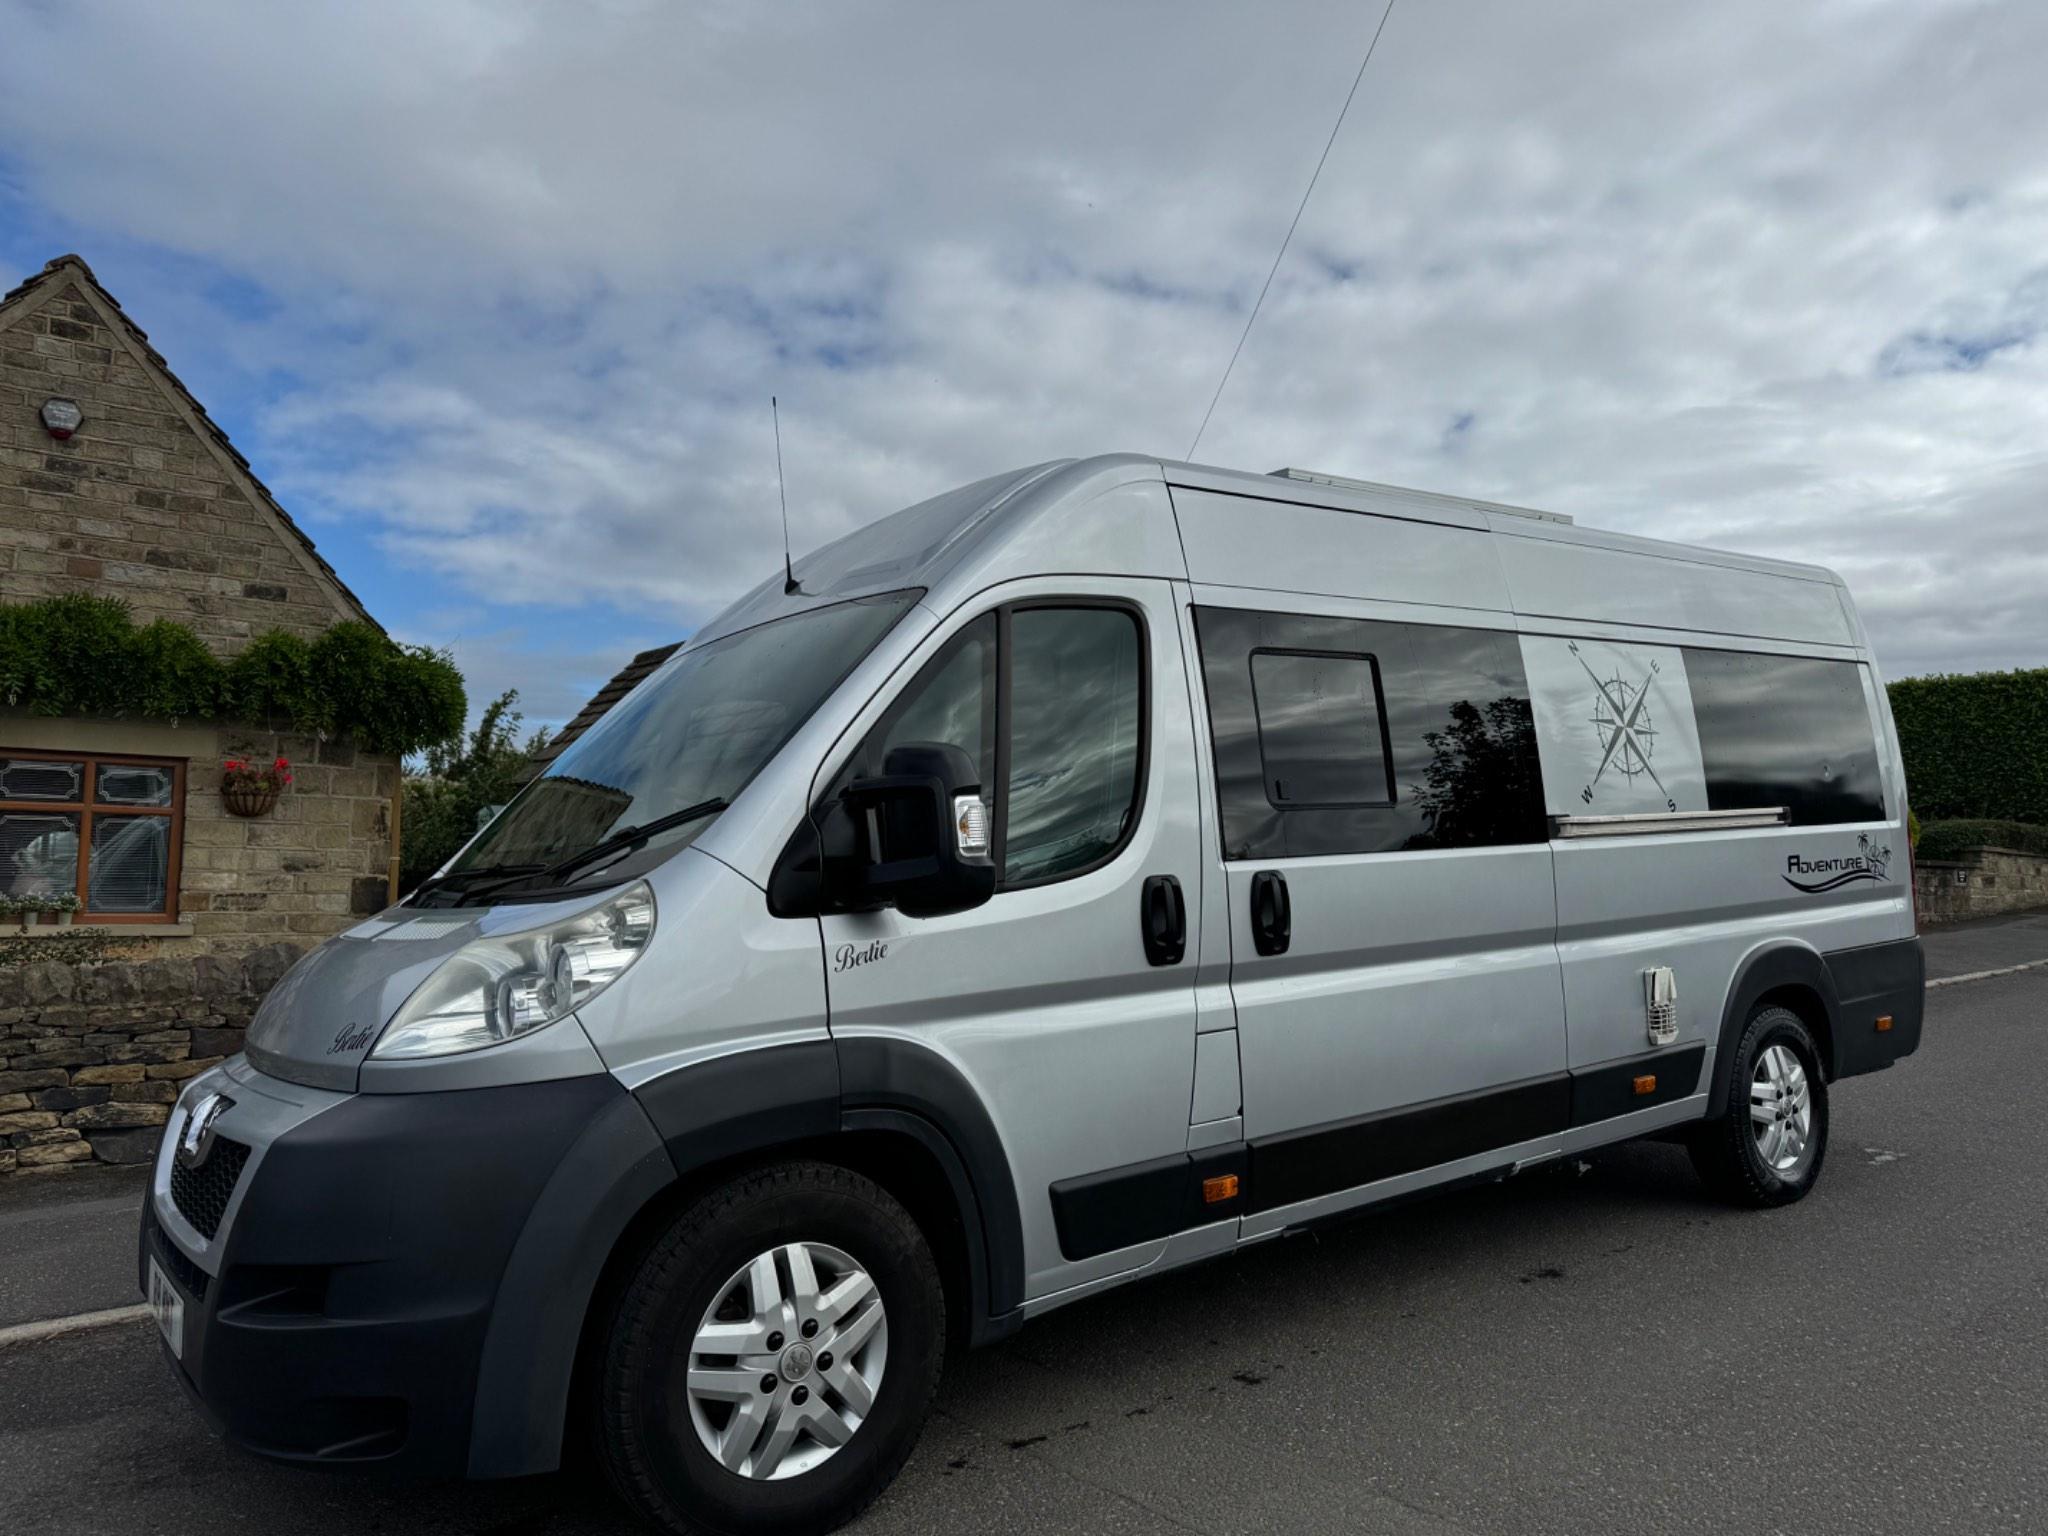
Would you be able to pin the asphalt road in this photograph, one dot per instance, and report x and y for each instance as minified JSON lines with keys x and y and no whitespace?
{"x":1596,"y":1349}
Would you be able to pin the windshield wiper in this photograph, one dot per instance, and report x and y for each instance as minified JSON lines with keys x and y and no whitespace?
{"x":462,"y":879}
{"x":627,"y":837}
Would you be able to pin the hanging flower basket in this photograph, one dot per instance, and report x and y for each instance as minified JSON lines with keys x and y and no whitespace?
{"x":245,"y":800}
{"x":248,"y":789}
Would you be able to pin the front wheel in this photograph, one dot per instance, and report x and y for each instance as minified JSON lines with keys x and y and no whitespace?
{"x":770,"y":1364}
{"x":1766,"y":1148}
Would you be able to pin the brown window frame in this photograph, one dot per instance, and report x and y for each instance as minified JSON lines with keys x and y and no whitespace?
{"x":86,"y":811}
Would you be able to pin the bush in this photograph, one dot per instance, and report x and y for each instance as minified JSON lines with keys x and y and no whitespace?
{"x":84,"y":655}
{"x":465,"y":777}
{"x":1976,"y":746}
{"x":269,"y":679}
{"x":175,"y":676}
{"x":421,"y":701}
{"x":1948,"y":839}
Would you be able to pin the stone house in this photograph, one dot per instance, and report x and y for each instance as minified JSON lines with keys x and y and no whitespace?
{"x":115,"y":482}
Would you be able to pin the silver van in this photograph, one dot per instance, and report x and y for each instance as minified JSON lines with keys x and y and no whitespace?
{"x":1090,"y":871}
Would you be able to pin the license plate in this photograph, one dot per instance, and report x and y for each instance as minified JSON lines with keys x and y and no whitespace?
{"x":168,"y":1307}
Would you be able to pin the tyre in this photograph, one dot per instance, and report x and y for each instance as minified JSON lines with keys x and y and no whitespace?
{"x":1767,"y":1147}
{"x":769,"y":1365}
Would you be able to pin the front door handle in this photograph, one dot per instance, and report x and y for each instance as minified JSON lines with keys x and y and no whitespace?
{"x":1272,"y":913}
{"x":1164,"y":913}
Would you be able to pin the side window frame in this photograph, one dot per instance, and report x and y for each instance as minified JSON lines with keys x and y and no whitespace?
{"x":1379,"y":704}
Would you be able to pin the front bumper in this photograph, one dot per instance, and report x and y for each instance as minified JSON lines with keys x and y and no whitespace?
{"x":338,"y":1309}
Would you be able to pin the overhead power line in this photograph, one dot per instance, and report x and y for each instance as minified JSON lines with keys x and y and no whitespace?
{"x":1281,"y":254}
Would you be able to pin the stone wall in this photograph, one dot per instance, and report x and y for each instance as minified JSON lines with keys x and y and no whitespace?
{"x":1985,"y":881}
{"x":92,"y":1057}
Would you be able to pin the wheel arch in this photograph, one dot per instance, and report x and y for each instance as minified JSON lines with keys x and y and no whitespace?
{"x":1787,"y":974}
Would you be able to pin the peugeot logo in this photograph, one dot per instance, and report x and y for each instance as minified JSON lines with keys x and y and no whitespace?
{"x":195,"y":1141}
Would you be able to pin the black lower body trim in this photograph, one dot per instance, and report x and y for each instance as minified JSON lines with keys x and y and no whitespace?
{"x":1872,"y":983}
{"x":1322,"y":1159}
{"x":1143,"y":1202}
{"x":1601,"y":1093}
{"x":1099,"y":1212}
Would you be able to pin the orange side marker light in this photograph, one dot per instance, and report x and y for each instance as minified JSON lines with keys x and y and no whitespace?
{"x":1884,"y":1022}
{"x":1222,"y":1187}
{"x":1647,"y":1083}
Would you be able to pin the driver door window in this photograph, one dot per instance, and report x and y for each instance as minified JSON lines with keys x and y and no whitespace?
{"x":1049,"y":702}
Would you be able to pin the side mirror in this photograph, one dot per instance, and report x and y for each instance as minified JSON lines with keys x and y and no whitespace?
{"x":920,"y":838}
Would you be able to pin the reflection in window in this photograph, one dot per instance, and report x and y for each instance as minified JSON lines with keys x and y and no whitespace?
{"x":952,"y":702}
{"x":131,"y":863}
{"x":1075,"y":719}
{"x":698,"y":729}
{"x":1785,"y":730}
{"x":1482,"y":776}
{"x":1319,"y":729}
{"x":38,"y":853}
{"x":1454,"y":724}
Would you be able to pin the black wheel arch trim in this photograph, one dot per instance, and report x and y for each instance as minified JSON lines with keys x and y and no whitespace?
{"x":882,"y":1073}
{"x":1776,"y":968}
{"x":607,"y":1177}
{"x":756,"y":1100}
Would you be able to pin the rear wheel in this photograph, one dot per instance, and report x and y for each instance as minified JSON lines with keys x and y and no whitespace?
{"x":1766,"y":1148}
{"x":771,"y":1363}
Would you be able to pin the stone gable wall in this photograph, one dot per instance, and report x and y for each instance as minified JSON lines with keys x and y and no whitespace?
{"x":137,"y":504}
{"x":93,"y":1057}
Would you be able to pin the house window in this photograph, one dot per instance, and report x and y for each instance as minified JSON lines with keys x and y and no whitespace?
{"x":106,"y":829}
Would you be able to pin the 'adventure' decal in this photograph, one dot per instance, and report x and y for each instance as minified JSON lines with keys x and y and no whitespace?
{"x":1822,"y":875}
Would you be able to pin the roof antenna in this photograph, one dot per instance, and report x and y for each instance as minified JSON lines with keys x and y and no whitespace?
{"x":789,"y":584}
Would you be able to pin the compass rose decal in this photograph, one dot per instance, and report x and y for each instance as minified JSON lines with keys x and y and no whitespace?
{"x":1628,"y":734}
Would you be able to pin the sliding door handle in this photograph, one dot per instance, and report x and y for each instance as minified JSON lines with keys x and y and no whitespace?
{"x":1272,"y":913}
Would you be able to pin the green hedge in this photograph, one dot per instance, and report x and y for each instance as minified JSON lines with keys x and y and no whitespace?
{"x":1976,"y":746}
{"x":83,"y":655}
{"x":1948,"y":839}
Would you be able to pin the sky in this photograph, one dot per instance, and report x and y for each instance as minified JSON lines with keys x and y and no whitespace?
{"x":494,"y":295}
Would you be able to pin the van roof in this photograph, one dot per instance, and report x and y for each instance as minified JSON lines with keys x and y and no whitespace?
{"x":923,"y":544}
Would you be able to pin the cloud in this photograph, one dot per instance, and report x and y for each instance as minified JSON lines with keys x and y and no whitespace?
{"x":509,"y":285}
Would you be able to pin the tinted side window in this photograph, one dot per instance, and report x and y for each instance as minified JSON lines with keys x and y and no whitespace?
{"x":1454,"y":728}
{"x":1319,"y":729}
{"x":1785,"y":730}
{"x":952,"y":701}
{"x":1075,"y":727}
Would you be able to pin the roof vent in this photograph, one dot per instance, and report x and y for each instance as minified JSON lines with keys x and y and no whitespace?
{"x":1342,"y":483}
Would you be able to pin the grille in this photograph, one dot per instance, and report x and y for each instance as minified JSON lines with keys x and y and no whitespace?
{"x":190,"y":1277}
{"x":201,"y":1194}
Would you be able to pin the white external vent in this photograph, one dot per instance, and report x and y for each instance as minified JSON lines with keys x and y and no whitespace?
{"x":1660,"y":1004}
{"x":1342,"y":483}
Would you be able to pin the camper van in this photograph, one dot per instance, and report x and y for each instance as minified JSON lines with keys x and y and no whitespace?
{"x":1094,"y":870}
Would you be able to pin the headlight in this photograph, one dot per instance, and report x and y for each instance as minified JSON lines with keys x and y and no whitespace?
{"x":493,"y":989}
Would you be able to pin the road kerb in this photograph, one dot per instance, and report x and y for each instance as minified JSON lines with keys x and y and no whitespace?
{"x":78,"y":1322}
{"x":2003,"y":970}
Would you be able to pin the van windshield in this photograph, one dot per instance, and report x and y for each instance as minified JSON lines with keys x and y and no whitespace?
{"x":657,"y":768}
